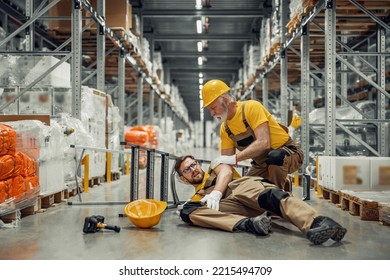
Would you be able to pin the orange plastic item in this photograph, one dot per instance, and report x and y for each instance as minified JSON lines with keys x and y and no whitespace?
{"x":25,"y":165}
{"x":5,"y":188}
{"x":7,"y":140}
{"x":7,"y":166}
{"x":18,"y":189}
{"x":32,"y":183}
{"x":134,"y":136}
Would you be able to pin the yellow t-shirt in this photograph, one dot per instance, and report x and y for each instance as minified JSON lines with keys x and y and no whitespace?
{"x":255,"y":114}
{"x":197,"y":197}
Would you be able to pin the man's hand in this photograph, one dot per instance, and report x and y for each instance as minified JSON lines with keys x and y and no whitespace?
{"x":232,"y":160}
{"x":212,"y":199}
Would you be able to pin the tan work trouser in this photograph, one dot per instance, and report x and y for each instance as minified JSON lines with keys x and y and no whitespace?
{"x":278,"y":173}
{"x":241,"y":201}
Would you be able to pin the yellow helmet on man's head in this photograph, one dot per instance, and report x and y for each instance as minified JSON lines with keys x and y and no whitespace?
{"x":212,"y":90}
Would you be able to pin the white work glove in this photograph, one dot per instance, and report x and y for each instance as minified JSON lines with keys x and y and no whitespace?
{"x":232,"y":160}
{"x":212,"y":199}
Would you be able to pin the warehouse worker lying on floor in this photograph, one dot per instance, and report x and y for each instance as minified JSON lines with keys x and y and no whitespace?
{"x":224,"y":200}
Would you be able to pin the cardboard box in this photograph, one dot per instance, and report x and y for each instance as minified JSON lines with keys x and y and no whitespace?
{"x":350,"y":173}
{"x":118,"y":13}
{"x":12,"y":118}
{"x":61,"y":9}
{"x":380,"y":173}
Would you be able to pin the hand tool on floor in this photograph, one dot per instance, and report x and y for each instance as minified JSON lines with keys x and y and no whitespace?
{"x":93,"y":224}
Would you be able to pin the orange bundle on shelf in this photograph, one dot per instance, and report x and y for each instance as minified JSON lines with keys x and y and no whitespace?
{"x":32,"y":183}
{"x":136,"y":136}
{"x":7,"y":140}
{"x":5,"y":188}
{"x":7,"y":166}
{"x":18,"y":189}
{"x":25,"y":165}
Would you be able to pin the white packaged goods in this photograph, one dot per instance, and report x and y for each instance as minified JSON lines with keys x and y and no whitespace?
{"x":380,"y":174}
{"x":93,"y":117}
{"x":350,"y":173}
{"x":79,"y":137}
{"x":59,"y":77}
{"x":323,"y":171}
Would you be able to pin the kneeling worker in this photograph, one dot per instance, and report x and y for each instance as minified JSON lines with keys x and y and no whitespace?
{"x":224,"y":200}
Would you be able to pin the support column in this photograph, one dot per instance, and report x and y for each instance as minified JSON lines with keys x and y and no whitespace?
{"x":30,"y":30}
{"x":151,"y":106}
{"x":283,"y":64}
{"x":305,"y":94}
{"x":381,"y":80}
{"x":330,"y":78}
{"x":76,"y":58}
{"x":140,"y":92}
{"x":165,"y":118}
{"x":159,"y":110}
{"x":265,"y":92}
{"x":121,"y":92}
{"x":101,"y":48}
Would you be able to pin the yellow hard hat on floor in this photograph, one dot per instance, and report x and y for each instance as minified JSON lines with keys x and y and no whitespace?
{"x":145,"y":213}
{"x":212,"y":90}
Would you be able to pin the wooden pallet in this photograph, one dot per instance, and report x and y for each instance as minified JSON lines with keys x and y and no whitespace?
{"x":331,"y":195}
{"x":31,"y":207}
{"x":47,"y":201}
{"x":94,"y":181}
{"x":384,"y":213}
{"x":367,"y":210}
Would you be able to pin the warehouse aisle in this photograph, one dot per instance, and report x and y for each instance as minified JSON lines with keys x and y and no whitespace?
{"x":57,"y":234}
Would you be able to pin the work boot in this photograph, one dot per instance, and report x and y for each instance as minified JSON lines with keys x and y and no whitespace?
{"x":259,"y":225}
{"x":325,"y":228}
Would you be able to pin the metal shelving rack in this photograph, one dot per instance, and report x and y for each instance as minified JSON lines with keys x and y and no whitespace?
{"x":320,"y":24}
{"x":33,"y":33}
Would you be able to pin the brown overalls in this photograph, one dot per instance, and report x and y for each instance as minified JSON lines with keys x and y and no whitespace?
{"x":247,"y":197}
{"x":272,"y":164}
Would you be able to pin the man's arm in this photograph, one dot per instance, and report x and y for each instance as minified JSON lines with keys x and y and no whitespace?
{"x":261,"y":143}
{"x":224,"y":177}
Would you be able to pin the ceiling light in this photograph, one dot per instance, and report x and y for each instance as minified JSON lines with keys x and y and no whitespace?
{"x":201,"y":81}
{"x":200,"y":46}
{"x":200,"y":87}
{"x":200,"y":75}
{"x":199,"y":26}
{"x":198,"y":4}
{"x":200,"y":60}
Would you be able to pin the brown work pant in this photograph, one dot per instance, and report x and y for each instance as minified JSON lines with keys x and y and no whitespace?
{"x":240,"y":201}
{"x":275,"y":173}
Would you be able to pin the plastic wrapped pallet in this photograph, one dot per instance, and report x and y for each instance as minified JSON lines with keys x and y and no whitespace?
{"x":19,"y":183}
{"x":74,"y":134}
{"x":93,"y":117}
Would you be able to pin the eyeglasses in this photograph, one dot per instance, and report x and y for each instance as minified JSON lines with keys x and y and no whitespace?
{"x":191,"y":166}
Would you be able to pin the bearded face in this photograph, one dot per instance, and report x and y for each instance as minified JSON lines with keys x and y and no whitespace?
{"x":221,"y":112}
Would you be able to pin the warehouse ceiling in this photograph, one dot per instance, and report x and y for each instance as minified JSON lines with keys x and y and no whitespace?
{"x":227,"y":25}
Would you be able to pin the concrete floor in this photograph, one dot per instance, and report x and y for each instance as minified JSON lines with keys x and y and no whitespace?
{"x":56,"y":234}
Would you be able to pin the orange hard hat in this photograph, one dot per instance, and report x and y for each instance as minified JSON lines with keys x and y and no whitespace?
{"x":212,"y":90}
{"x":145,"y":213}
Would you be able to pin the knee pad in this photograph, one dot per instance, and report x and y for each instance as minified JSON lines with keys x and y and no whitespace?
{"x":188,"y":208}
{"x":270,"y":200}
{"x":276,"y":157}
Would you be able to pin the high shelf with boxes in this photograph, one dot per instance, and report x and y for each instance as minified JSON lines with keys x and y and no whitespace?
{"x":76,"y":74}
{"x":330,"y":54}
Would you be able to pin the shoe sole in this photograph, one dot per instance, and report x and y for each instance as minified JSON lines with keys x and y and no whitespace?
{"x":339,"y":234}
{"x":264,"y":226}
{"x":319,"y":236}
